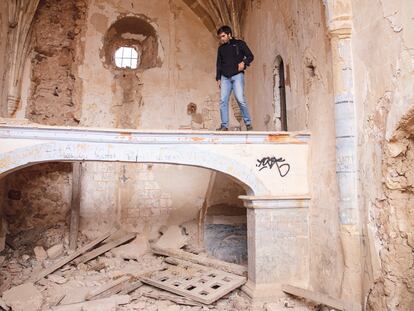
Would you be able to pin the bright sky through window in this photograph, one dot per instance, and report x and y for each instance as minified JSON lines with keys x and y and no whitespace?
{"x":126,"y":57}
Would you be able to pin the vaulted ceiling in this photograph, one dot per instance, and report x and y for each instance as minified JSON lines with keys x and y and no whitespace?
{"x":215,"y":13}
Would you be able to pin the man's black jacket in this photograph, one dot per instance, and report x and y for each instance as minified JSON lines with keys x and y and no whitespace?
{"x":229,"y":55}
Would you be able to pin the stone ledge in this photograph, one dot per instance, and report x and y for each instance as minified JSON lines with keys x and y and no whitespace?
{"x":276,"y":202}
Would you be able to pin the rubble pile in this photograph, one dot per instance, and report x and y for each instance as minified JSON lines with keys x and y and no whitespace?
{"x":107,"y":273}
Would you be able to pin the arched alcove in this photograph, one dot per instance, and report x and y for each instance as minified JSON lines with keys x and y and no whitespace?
{"x":279,"y":95}
{"x":137,"y":33}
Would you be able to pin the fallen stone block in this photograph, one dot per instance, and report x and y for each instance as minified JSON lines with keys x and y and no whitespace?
{"x":74,"y":295}
{"x":100,"y":306}
{"x":55,"y":251}
{"x":173,"y":238}
{"x":57,"y":279}
{"x":40,"y":253}
{"x":24,"y":297}
{"x":133,"y":250}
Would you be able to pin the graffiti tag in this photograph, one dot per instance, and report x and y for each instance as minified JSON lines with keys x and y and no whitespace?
{"x":270,"y":162}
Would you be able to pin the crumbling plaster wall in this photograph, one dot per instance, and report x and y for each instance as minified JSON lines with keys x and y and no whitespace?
{"x":186,"y":73}
{"x":296,"y":30}
{"x":144,"y":195}
{"x":68,"y":82}
{"x":53,"y":97}
{"x":38,"y":196}
{"x":383,"y":45}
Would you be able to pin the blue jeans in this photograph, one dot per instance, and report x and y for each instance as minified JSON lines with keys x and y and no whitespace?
{"x":235,"y":83}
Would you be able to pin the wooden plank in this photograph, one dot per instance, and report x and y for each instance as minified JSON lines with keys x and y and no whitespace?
{"x":75,"y":205}
{"x":69,"y":258}
{"x":117,"y":299}
{"x":174,"y":298}
{"x":58,"y":300}
{"x":204,"y":208}
{"x":209,"y":262}
{"x":104,"y":248}
{"x":321,"y":298}
{"x":131,"y":287}
{"x":106,"y":289}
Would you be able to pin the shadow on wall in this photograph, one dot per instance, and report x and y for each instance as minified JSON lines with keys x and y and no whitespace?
{"x":225,"y":226}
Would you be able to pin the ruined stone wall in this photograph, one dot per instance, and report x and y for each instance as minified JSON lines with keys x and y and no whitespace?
{"x":56,"y":52}
{"x":383,"y":41}
{"x":183,"y":72}
{"x":37,"y":197}
{"x":296,"y":31}
{"x":70,"y":80}
{"x":177,"y":68}
{"x":393,"y":220}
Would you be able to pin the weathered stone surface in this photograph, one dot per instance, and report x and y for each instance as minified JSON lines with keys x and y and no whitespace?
{"x":57,"y":279}
{"x":173,"y":237}
{"x":278,"y":244}
{"x":40,"y":253}
{"x":55,"y":251}
{"x":133,"y":250}
{"x":100,"y":306}
{"x":24,"y":297}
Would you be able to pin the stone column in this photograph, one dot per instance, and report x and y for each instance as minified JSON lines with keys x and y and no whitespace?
{"x":339,"y":15}
{"x":277,"y":244}
{"x":21,"y":14}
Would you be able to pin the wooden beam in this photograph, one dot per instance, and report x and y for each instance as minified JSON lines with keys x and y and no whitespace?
{"x":204,"y":208}
{"x":104,"y":248}
{"x":321,"y":298}
{"x":69,"y":258}
{"x":174,"y":298}
{"x":75,"y":205}
{"x":107,"y":289}
{"x":205,"y":261}
{"x":131,"y":287}
{"x":117,"y":299}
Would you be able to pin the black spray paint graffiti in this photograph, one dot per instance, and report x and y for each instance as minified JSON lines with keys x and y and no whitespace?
{"x":270,"y":162}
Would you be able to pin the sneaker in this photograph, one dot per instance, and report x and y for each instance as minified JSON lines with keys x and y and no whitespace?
{"x":249,"y":127}
{"x":222,"y":128}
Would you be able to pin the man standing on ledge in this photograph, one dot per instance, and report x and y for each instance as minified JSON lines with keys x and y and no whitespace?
{"x":233,"y":57}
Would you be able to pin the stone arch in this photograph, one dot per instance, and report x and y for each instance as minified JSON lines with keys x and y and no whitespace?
{"x":167,"y":154}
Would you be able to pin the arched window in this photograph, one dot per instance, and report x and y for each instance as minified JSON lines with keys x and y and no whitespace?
{"x":279,"y":95}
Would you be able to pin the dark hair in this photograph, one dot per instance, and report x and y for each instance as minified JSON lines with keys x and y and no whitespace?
{"x":226,"y":29}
